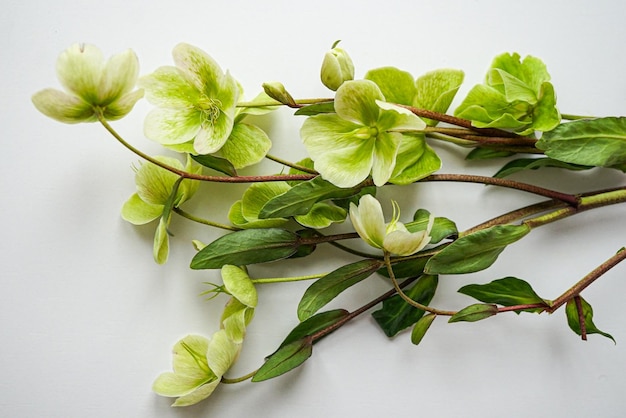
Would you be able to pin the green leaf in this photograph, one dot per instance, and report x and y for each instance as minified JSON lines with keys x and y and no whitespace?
{"x":249,"y":246}
{"x":476,"y":251}
{"x":419,"y":167}
{"x":300,"y":199}
{"x":522,"y":164}
{"x":328,"y":287}
{"x":509,"y":291}
{"x":314,"y":324}
{"x":396,"y":314}
{"x":285,"y":359}
{"x":322,"y":215}
{"x":215,"y":163}
{"x":442,"y":227}
{"x":421,"y":327}
{"x":474,"y":313}
{"x":316,"y":109}
{"x":592,"y":142}
{"x":573,"y":318}
{"x":487,"y":154}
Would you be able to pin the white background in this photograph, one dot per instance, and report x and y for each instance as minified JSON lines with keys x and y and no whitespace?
{"x":87,"y":320}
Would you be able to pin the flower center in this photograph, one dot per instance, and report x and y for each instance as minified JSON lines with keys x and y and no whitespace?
{"x":210,"y":108}
{"x":367,"y":132}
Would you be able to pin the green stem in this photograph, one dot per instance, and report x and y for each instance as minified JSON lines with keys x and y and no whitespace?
{"x":238,"y":379}
{"x":405,"y":297}
{"x":194,"y":218}
{"x":290,"y":164}
{"x":568,"y":116}
{"x":200,"y":177}
{"x":267,"y":280}
{"x":271,"y":102}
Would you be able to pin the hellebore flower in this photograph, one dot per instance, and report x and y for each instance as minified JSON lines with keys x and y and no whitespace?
{"x":154,"y":187}
{"x":198,"y":364}
{"x":94,"y":87}
{"x":196,"y":101}
{"x":363,"y":137}
{"x":337,"y":67}
{"x":369,"y":222}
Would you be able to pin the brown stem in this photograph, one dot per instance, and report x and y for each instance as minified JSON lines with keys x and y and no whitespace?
{"x":581,"y":317}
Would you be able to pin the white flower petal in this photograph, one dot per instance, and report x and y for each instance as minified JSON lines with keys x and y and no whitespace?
{"x":368,"y":220}
{"x":405,"y":243}
{"x":198,"y":68}
{"x":79,"y":69}
{"x":222,"y":352}
{"x":172,"y":126}
{"x":63,"y":107}
{"x":119,"y":76}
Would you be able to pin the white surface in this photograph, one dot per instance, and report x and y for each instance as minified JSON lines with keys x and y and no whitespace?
{"x":88,"y":320}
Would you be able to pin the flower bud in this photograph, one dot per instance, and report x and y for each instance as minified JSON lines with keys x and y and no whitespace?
{"x":279,"y":93}
{"x":337,"y":67}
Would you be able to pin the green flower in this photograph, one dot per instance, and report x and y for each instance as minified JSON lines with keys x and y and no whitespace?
{"x":198,"y":364}
{"x":154,"y":189}
{"x":369,"y":222}
{"x":337,"y":67}
{"x":94,"y":87}
{"x":363,"y":137}
{"x":516,"y":95}
{"x":196,"y":101}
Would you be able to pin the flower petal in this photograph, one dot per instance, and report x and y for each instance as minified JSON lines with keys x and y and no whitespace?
{"x":355,"y":101}
{"x":221,"y":353}
{"x":197,"y":395}
{"x":122,"y":106}
{"x":79,"y":69}
{"x":154,"y":184}
{"x":161,"y":245}
{"x":198,"y":68}
{"x":170,"y":126}
{"x":213,"y":134}
{"x":246,"y":145}
{"x":239,"y":285}
{"x":172,"y":384}
{"x":368,"y":220}
{"x":119,"y":76}
{"x":341,"y":155}
{"x":385,"y":151}
{"x":189,"y":357}
{"x":405,"y":243}
{"x":63,"y":107}
{"x":138,"y":212}
{"x":167,"y":87}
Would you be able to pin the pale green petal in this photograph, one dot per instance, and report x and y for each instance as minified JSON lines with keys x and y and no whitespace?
{"x":405,"y":243}
{"x":189,"y":357}
{"x":154,"y":184}
{"x":228,"y":94}
{"x":235,"y":215}
{"x":198,"y":68}
{"x":63,"y":107}
{"x":239,"y":285}
{"x":385,"y":151}
{"x":197,"y":395}
{"x":342,"y":151}
{"x":118,"y":77}
{"x":235,"y":319}
{"x":513,"y":88}
{"x":222,"y":353}
{"x":396,"y":117}
{"x":172,"y":384}
{"x":138,"y":212}
{"x":396,"y":85}
{"x":413,"y":167}
{"x":368,"y":220}
{"x":213,"y":135}
{"x":79,"y":69}
{"x":122,"y":106}
{"x":172,"y":126}
{"x":161,"y":246}
{"x":246,"y":145}
{"x":167,"y":87}
{"x":355,"y":101}
{"x":435,"y":90}
{"x":258,"y":194}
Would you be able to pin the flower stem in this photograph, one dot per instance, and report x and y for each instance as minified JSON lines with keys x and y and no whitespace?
{"x":194,"y":218}
{"x":238,"y":379}
{"x":193,"y":176}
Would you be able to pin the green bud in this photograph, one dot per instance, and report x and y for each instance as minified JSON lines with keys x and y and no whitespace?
{"x":337,"y":67}
{"x":278,"y":92}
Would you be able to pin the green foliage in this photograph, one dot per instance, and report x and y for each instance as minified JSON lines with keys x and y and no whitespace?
{"x":396,"y":314}
{"x":218,"y":164}
{"x":442,"y":227}
{"x":476,"y":251}
{"x":473,"y":313}
{"x":421,"y":327}
{"x":516,"y":95}
{"x":487,"y":154}
{"x":314,"y":324}
{"x":592,"y":142}
{"x":249,"y":246}
{"x":573,"y":318}
{"x":285,"y":359}
{"x":522,"y":164}
{"x":330,"y":286}
{"x":509,"y":291}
